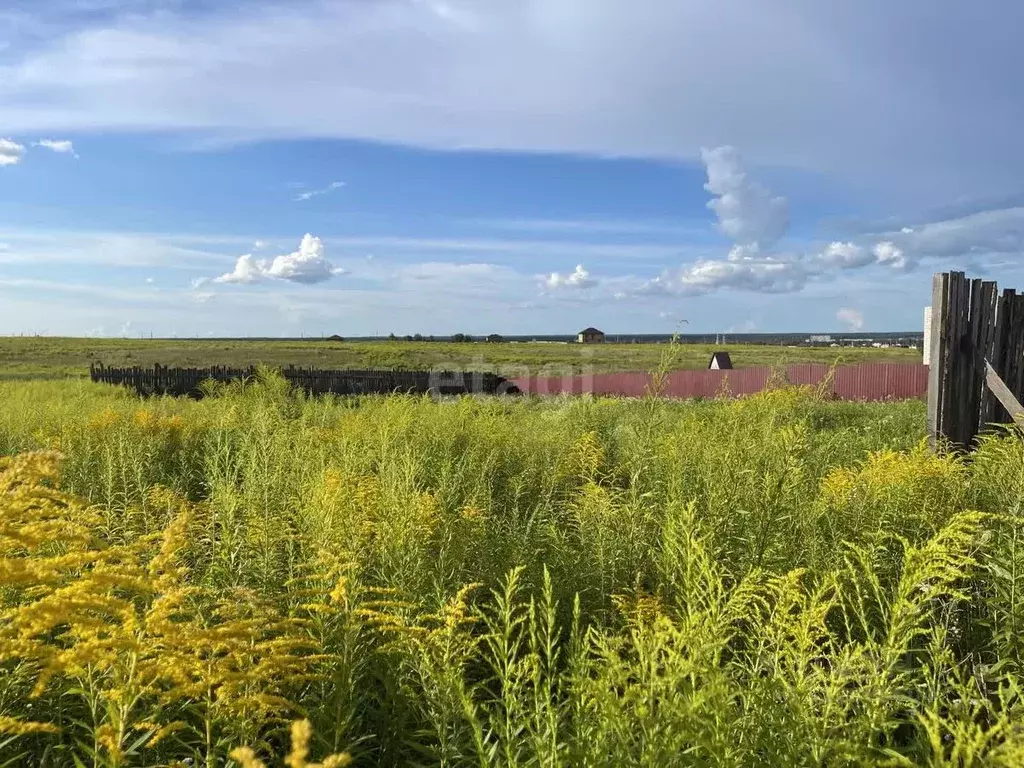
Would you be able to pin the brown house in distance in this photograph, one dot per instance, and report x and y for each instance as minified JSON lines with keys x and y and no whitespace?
{"x":590,"y":336}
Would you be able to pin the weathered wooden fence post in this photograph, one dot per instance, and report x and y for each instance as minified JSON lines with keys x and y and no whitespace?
{"x":975,"y":366}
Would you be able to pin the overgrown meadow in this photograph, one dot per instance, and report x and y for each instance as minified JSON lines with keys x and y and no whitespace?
{"x":776,"y":580}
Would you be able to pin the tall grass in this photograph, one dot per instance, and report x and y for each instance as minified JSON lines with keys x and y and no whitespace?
{"x":777,"y":580}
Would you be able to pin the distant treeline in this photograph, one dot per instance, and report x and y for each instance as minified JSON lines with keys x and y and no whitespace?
{"x":893,"y":337}
{"x":904,"y":338}
{"x":458,"y":338}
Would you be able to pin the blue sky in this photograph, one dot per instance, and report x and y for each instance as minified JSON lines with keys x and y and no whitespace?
{"x":197,"y":167}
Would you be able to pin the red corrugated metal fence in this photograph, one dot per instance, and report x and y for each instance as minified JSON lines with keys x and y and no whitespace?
{"x":871,"y":381}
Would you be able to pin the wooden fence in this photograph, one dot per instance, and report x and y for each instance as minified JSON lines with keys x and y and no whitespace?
{"x":875,"y":381}
{"x":976,"y":358}
{"x":161,"y":380}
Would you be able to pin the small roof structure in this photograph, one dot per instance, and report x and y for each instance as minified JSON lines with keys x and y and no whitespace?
{"x":720,"y":361}
{"x":591,"y":330}
{"x":335,"y":337}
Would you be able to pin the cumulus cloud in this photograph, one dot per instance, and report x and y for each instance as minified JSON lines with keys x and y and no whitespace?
{"x":307,"y":265}
{"x":853,"y":256}
{"x":578,"y":278}
{"x":309,"y":194}
{"x":845,"y":255}
{"x":890,"y":255}
{"x":11,"y":152}
{"x":768,"y":275}
{"x":747,"y":212}
{"x":60,"y":146}
{"x":247,"y":271}
{"x":754,"y":219}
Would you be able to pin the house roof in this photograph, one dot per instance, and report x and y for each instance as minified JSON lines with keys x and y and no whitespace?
{"x":591,"y":329}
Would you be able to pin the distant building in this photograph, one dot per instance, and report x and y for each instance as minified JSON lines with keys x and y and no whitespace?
{"x":335,"y":337}
{"x":822,"y":338}
{"x":590,"y":336}
{"x":720,"y":361}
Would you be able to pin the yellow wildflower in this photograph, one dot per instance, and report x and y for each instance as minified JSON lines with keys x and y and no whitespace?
{"x":10,"y":726}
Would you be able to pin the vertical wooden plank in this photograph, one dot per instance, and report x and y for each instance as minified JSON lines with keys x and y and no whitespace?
{"x":971,"y":391}
{"x":1016,"y":347}
{"x":962,"y":371}
{"x":963,"y":366}
{"x":950,"y":409}
{"x":949,"y":334}
{"x":1011,"y":332}
{"x":998,"y":352}
{"x":937,"y":355}
{"x":986,"y":352}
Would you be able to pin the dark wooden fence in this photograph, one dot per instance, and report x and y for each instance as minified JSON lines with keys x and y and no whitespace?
{"x":976,"y":356}
{"x":873,"y":381}
{"x":161,"y":380}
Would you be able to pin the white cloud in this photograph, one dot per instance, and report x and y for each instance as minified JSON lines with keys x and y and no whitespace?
{"x":247,"y":271}
{"x":578,"y":278}
{"x":259,"y":245}
{"x":580,"y":76}
{"x":307,"y":265}
{"x":852,"y":319}
{"x":845,"y":255}
{"x":751,"y":216}
{"x":888,"y":254}
{"x":60,"y":146}
{"x":311,"y":193}
{"x":997,"y":232}
{"x":11,"y":152}
{"x":769,"y":275}
{"x":747,"y":212}
{"x":149,"y":280}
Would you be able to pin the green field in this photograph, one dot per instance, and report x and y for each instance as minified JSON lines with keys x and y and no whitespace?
{"x":772,"y":581}
{"x":22,"y":357}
